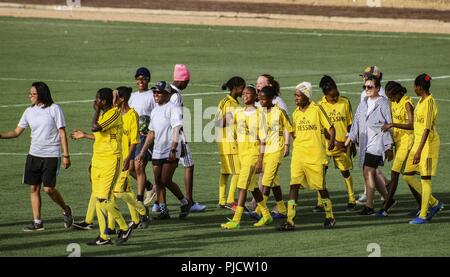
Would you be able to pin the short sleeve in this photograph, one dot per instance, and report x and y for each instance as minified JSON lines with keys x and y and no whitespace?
{"x":176,"y":117}
{"x":109,"y":119}
{"x":58,"y":116}
{"x":23,"y":122}
{"x":134,"y":128}
{"x":324,"y":120}
{"x":430,"y":109}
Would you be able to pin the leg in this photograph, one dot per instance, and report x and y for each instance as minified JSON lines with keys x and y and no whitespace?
{"x":36,"y":203}
{"x":389,"y":201}
{"x":189,"y":182}
{"x":57,"y":198}
{"x":223,"y":179}
{"x":369,"y":176}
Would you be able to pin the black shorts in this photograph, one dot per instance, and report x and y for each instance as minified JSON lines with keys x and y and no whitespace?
{"x":372,"y":161}
{"x":41,"y":170}
{"x":164,"y":161}
{"x":137,"y":150}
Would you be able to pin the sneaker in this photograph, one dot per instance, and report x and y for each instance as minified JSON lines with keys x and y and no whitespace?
{"x":391,"y":206}
{"x":350,"y":207}
{"x":144,"y":221}
{"x":82,"y":225}
{"x":156,"y":208}
{"x":414,"y":213}
{"x":277,"y":215}
{"x":110,"y":231}
{"x":162,"y":216}
{"x":253,"y":215}
{"x":362,"y":199}
{"x":318,"y":209}
{"x":434,"y":210}
{"x":197,"y":208}
{"x":329,"y":223}
{"x":99,"y":241}
{"x":185,"y":209}
{"x":68,"y":218}
{"x":230,"y":225}
{"x":149,"y":197}
{"x":265,"y":220}
{"x":133,"y":225}
{"x":367,"y":211}
{"x":382,"y":213}
{"x":34,"y":227}
{"x":250,"y":206}
{"x":274,"y":210}
{"x":418,"y":220}
{"x":286,"y":226}
{"x":123,"y":236}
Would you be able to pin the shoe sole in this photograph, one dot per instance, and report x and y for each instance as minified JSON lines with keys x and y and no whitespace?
{"x":35,"y":230}
{"x":81,"y":228}
{"x":148,"y":201}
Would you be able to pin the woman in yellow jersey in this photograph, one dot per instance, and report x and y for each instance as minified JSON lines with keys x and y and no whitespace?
{"x":402,"y":125}
{"x":309,"y":155}
{"x":229,"y":160}
{"x":250,"y":135}
{"x":424,"y":154}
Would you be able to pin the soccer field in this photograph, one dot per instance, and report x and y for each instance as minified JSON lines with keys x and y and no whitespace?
{"x":76,"y":58}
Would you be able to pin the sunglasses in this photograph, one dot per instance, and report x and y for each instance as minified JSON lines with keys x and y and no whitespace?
{"x":368,"y":87}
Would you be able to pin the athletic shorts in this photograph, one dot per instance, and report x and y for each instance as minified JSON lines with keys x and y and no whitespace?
{"x":104,"y":176}
{"x":272,"y":162}
{"x":428,"y":160}
{"x":229,"y":164}
{"x":247,"y":176}
{"x":373,"y":161}
{"x":41,"y":170}
{"x":123,"y":183}
{"x":186,"y":155}
{"x":342,"y":161}
{"x":137,"y":150}
{"x":307,"y":175}
{"x":164,"y":161}
{"x":401,"y":155}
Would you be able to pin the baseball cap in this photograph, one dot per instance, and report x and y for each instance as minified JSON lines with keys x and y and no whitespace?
{"x":181,"y":73}
{"x":162,"y":86}
{"x":142,"y":71}
{"x":305,"y":88}
{"x":372,"y":71}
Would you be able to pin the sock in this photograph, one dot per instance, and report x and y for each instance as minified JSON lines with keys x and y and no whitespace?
{"x":140,"y":198}
{"x":222,"y":188}
{"x":90,"y":213}
{"x":263,"y":207}
{"x":417,"y":186}
{"x":291,"y":211}
{"x":184,"y":201}
{"x":258,"y":209}
{"x":238,"y":214}
{"x":319,"y":200}
{"x":426,"y":195}
{"x":111,"y":220}
{"x":134,"y":206}
{"x":349,"y":186}
{"x":328,"y":208}
{"x":233,"y":186}
{"x":38,"y":221}
{"x":281,"y":207}
{"x":163,"y":208}
{"x":102,"y":217}
{"x":114,"y":212}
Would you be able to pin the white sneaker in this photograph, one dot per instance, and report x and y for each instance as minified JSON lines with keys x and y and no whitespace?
{"x":156,"y":208}
{"x":362,"y":199}
{"x":197,"y":207}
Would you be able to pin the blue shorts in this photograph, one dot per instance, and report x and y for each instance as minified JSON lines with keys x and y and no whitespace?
{"x":148,"y":155}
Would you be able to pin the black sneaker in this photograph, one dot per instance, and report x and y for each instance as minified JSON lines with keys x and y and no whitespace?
{"x":185,"y":209}
{"x":68,"y":218}
{"x":123,"y":236}
{"x":133,"y":225}
{"x":318,"y":209}
{"x":82,"y":225}
{"x":162,"y":216}
{"x":367,"y":211}
{"x":286,"y":226}
{"x":100,"y":241}
{"x":34,"y":227}
{"x":110,"y":231}
{"x":145,"y":221}
{"x":350,"y":207}
{"x":329,"y":223}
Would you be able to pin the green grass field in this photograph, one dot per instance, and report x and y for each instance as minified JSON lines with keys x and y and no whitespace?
{"x":75,"y":58}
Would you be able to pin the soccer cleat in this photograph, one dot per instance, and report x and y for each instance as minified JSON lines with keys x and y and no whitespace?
{"x":68,"y":218}
{"x":434,"y":210}
{"x":110,"y":231}
{"x":133,"y":225}
{"x":389,"y":209}
{"x":34,"y":227}
{"x":277,"y":215}
{"x":265,"y":220}
{"x":185,"y":209}
{"x":162,"y":216}
{"x":318,"y":209}
{"x":230,"y":225}
{"x":418,"y":220}
{"x":156,"y":208}
{"x":253,"y":215}
{"x":197,"y":208}
{"x":286,"y":226}
{"x":144,"y":221}
{"x":350,"y":207}
{"x":414,"y":213}
{"x":362,"y":199}
{"x":149,"y":197}
{"x":329,"y":223}
{"x":250,"y":206}
{"x":367,"y":211}
{"x":100,"y":241}
{"x":82,"y":225}
{"x":123,"y":236}
{"x":382,"y":213}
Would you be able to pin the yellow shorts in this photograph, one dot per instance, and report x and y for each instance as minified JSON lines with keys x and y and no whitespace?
{"x":247,"y":177}
{"x":229,"y":164}
{"x":123,"y":183}
{"x":401,"y":155}
{"x":104,"y":175}
{"x":271,"y":164}
{"x":428,"y":160}
{"x":342,"y":161}
{"x":307,"y":175}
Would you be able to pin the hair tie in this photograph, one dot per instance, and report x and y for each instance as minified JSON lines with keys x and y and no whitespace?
{"x":427,"y":78}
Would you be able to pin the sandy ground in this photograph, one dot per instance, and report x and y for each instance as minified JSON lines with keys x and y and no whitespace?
{"x":227,"y":18}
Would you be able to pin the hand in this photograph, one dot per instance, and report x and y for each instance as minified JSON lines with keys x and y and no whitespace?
{"x":172,"y":156}
{"x":386,"y":127}
{"x":96,"y":106}
{"x":341,"y":146}
{"x":416,"y":158}
{"x":259,"y":166}
{"x":66,"y":162}
{"x":126,"y":164}
{"x":139,"y":158}
{"x":286,"y":151}
{"x":77,"y":134}
{"x":115,"y":97}
{"x":389,"y":154}
{"x":331,"y":146}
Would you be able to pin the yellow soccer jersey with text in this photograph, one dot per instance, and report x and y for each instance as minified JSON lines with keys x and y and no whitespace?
{"x":276,"y":122}
{"x":130,"y":131}
{"x":425,"y":116}
{"x":249,"y":131}
{"x":309,"y":142}
{"x":225,"y":137}
{"x":340,"y":115}
{"x":400,"y":116}
{"x":108,"y":141}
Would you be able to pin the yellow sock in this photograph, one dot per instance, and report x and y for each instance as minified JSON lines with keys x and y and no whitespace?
{"x":111,"y":220}
{"x":291,"y":211}
{"x":328,"y":208}
{"x":102,"y":217}
{"x":115,"y":213}
{"x":263,"y":207}
{"x":222,"y":188}
{"x":319,"y":200}
{"x":281,"y":207}
{"x":417,"y":186}
{"x":426,"y":195}
{"x":258,"y":209}
{"x":130,"y":199}
{"x":90,"y":213}
{"x":349,"y":186}
{"x":232,"y":190}
{"x":238,"y":214}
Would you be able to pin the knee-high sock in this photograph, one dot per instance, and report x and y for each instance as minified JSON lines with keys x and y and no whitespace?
{"x":263,"y":207}
{"x":113,"y":211}
{"x":90,"y":213}
{"x":258,"y":209}
{"x":222,"y":188}
{"x":319,"y":200}
{"x":281,"y":207}
{"x":349,"y":186}
{"x":426,"y":195}
{"x":111,"y":220}
{"x":232,"y":190}
{"x":134,"y":206}
{"x":291,"y":211}
{"x":417,"y":186}
{"x":102,"y":217}
{"x":238,"y":214}
{"x":328,"y":207}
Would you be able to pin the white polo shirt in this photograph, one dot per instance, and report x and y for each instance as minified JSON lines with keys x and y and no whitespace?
{"x":45,"y":124}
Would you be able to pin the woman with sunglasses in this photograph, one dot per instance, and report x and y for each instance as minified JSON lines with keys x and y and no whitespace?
{"x":374,"y":144}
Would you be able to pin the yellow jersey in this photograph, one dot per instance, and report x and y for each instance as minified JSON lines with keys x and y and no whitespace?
{"x":425,"y":115}
{"x":340,"y":116}
{"x":276,"y":122}
{"x":309,"y":142}
{"x":249,"y":131}
{"x":108,"y":141}
{"x":225,"y":137}
{"x":400,"y":116}
{"x":130,"y":131}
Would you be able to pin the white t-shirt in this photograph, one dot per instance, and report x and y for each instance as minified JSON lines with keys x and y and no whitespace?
{"x":162,"y":121}
{"x":277,"y":101}
{"x":142,"y":102}
{"x":176,"y":98}
{"x":45,"y":124}
{"x":381,"y":93}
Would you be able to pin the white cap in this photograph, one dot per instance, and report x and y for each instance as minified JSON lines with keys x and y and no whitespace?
{"x":305,"y":88}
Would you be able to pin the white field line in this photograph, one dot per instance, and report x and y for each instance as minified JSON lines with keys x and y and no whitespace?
{"x":90,"y":154}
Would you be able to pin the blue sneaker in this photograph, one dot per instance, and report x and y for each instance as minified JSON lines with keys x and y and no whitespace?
{"x":278,"y":215}
{"x":156,"y":208}
{"x":434,"y":210}
{"x":382,"y":213}
{"x":418,"y":220}
{"x":253,"y":215}
{"x":197,"y":208}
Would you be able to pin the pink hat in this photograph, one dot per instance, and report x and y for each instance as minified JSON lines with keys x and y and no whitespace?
{"x":181,"y":73}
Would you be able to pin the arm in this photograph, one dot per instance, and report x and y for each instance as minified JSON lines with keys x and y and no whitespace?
{"x":78,"y":134}
{"x":175,"y":140}
{"x":287,"y":139}
{"x":148,"y":141}
{"x":408,"y":126}
{"x":12,"y":134}
{"x":126,"y":161}
{"x":95,"y":126}
{"x":416,"y":159}
{"x":332,"y":132}
{"x":259,"y":163}
{"x":65,"y":147}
